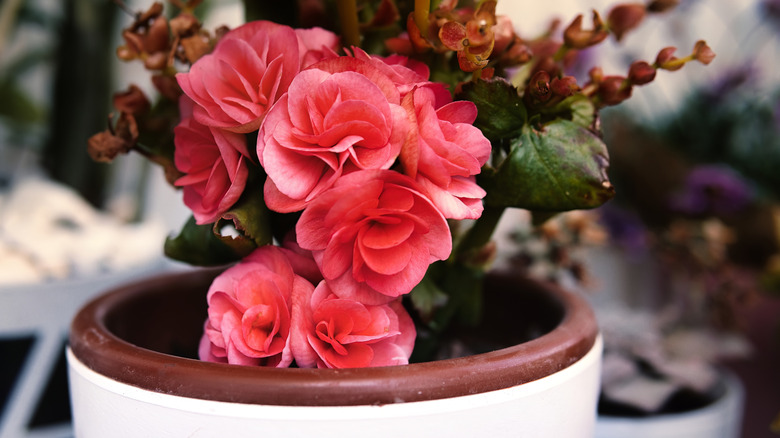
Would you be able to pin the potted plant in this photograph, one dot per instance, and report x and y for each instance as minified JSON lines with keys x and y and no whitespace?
{"x":351,"y":185}
{"x":708,"y":233}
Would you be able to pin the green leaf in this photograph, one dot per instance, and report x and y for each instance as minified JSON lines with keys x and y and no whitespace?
{"x":500,"y":110}
{"x":204,"y":245}
{"x":577,"y":108}
{"x":199,"y":245}
{"x":562,"y":167}
{"x":250,"y":215}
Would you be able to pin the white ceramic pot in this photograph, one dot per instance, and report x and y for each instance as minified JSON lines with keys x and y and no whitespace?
{"x":721,"y":419}
{"x":560,"y":405}
{"x":545,"y":387}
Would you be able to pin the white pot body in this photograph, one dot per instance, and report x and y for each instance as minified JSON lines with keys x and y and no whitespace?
{"x":721,"y":419}
{"x":560,"y":405}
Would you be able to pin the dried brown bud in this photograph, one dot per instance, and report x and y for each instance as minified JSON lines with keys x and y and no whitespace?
{"x":156,"y":61}
{"x":220,"y":32}
{"x":167,"y":86}
{"x":641,"y":73}
{"x":613,"y":90}
{"x":184,"y":25}
{"x":127,"y":128}
{"x":125,"y":53}
{"x":703,"y":53}
{"x":625,"y":17}
{"x":154,"y":11}
{"x":103,"y":147}
{"x":577,"y":38}
{"x":157,"y":38}
{"x":666,"y":59}
{"x":662,"y":5}
{"x":195,"y":47}
{"x":132,"y":101}
{"x":133,"y":42}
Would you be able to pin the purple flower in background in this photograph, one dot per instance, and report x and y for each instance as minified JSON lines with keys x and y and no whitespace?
{"x":714,"y":190}
{"x":625,"y":228}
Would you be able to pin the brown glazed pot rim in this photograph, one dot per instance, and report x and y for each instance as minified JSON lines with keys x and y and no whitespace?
{"x":105,"y":353}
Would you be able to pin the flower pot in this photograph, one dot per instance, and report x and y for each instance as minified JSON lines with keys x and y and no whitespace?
{"x":720,"y":419}
{"x":132,"y":375}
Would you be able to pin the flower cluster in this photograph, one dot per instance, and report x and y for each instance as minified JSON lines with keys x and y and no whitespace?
{"x":374,"y":156}
{"x":347,"y":163}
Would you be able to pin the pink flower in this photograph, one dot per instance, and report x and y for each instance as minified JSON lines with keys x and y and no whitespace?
{"x":373,"y":235}
{"x":249,"y":69}
{"x":332,"y":332}
{"x":339,"y":116}
{"x":444,"y":152}
{"x":249,"y":318}
{"x":302,"y":260}
{"x":316,"y":44}
{"x":213,"y":161}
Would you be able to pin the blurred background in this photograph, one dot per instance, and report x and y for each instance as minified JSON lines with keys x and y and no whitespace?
{"x":683,"y":266}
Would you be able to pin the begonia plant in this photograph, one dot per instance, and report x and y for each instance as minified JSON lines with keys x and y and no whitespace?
{"x":363,"y":153}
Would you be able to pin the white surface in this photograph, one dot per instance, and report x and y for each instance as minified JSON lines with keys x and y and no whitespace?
{"x":561,"y":405}
{"x":719,"y":420}
{"x":48,"y":232}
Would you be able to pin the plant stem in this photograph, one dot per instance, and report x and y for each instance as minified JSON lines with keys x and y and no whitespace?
{"x":422,"y":8}
{"x":348,"y":19}
{"x":480,"y":233}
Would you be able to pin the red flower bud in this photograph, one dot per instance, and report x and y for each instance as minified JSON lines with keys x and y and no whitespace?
{"x":564,"y":87}
{"x":577,"y":38}
{"x":662,"y":5}
{"x":641,"y":73}
{"x":596,"y":75}
{"x":625,"y":17}
{"x":665,"y":59}
{"x":614,"y":89}
{"x":703,"y":53}
{"x":539,"y":87}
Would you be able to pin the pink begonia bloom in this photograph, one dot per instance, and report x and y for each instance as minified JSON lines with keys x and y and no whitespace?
{"x":316,"y":44}
{"x":302,"y":260}
{"x":445,"y":153}
{"x":332,"y":332}
{"x":407,"y":74}
{"x":214,"y":163}
{"x":339,"y":116}
{"x":248,"y":70}
{"x":249,"y":317}
{"x":373,"y":235}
